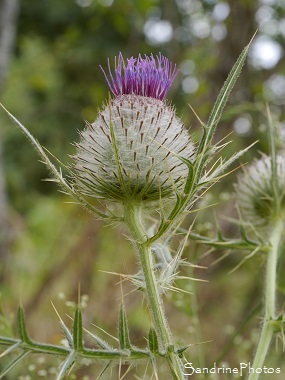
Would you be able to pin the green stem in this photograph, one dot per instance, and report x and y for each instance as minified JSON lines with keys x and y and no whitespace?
{"x":270,"y":299}
{"x":133,"y":218}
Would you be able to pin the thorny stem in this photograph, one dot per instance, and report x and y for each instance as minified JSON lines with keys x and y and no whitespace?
{"x":270,"y":299}
{"x":133,"y":219}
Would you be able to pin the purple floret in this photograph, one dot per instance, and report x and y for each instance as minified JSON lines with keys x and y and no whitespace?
{"x":141,"y":76}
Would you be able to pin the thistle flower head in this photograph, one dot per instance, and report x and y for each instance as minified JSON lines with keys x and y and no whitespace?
{"x":133,"y":148}
{"x":149,"y":76}
{"x":255,"y":190}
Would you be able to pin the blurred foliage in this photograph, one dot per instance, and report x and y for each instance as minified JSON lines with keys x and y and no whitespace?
{"x":55,"y":83}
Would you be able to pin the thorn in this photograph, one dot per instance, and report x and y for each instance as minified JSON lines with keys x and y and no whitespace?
{"x":59,"y":317}
{"x":200,"y":121}
{"x":79,"y":295}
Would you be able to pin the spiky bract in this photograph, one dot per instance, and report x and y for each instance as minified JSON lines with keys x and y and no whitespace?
{"x":132,"y":151}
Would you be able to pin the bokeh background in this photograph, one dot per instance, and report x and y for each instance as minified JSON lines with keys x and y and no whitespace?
{"x":50,"y":52}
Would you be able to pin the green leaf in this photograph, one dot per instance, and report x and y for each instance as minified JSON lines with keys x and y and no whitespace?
{"x":103,"y":354}
{"x":124,"y":338}
{"x":190,"y":176}
{"x":117,"y":156}
{"x":8,"y":341}
{"x":66,"y":365}
{"x":67,"y":334}
{"x":77,"y":330}
{"x":272,"y":138}
{"x":101,"y":342}
{"x":224,"y":94}
{"x":182,"y":349}
{"x":47,"y":349}
{"x":153,"y":341}
{"x":103,"y":370}
{"x":13,"y":364}
{"x":10,"y":349}
{"x":214,"y":176}
{"x":32,"y":347}
{"x":23,"y":333}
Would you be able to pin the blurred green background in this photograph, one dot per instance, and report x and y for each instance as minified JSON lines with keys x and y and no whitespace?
{"x":51,"y":81}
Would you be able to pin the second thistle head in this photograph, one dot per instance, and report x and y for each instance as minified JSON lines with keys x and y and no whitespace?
{"x":261,"y":192}
{"x":133,"y":148}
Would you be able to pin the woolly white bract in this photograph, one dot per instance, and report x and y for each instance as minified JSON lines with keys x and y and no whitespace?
{"x":133,"y":150}
{"x":256,"y":190}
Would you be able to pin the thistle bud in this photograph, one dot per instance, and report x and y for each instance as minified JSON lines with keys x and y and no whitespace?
{"x":133,"y":148}
{"x":255,"y":190}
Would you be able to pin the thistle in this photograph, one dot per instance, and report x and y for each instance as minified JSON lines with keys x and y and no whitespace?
{"x":261,"y":190}
{"x":142,"y":76}
{"x":137,"y":151}
{"x":261,"y":197}
{"x":133,"y":148}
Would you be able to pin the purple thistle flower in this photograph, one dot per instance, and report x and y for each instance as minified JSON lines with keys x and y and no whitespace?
{"x":133,"y":150}
{"x":147,"y":76}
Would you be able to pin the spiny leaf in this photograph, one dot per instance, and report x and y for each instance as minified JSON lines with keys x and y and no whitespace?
{"x":32,"y":347}
{"x":47,"y":349}
{"x":77,"y":330}
{"x":67,"y":334}
{"x":117,"y":156}
{"x":224,"y":165}
{"x":103,"y":370}
{"x":101,"y":342}
{"x":153,"y":341}
{"x":103,"y":354}
{"x":23,"y":333}
{"x":189,"y":181}
{"x":124,"y":338}
{"x":273,"y":154}
{"x":10,"y":349}
{"x":225,"y":243}
{"x":222,"y":99}
{"x":8,"y":341}
{"x":66,"y":365}
{"x":13,"y":364}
